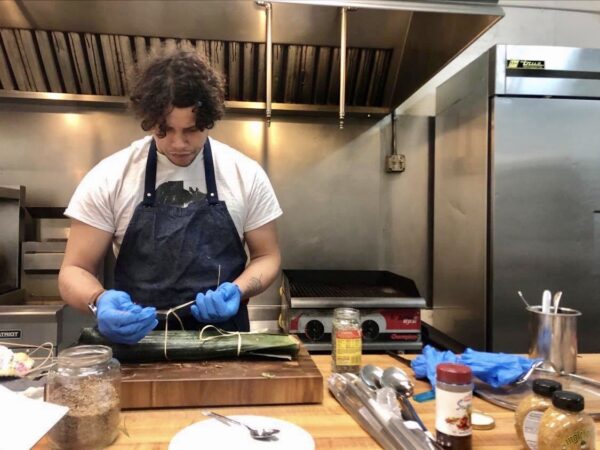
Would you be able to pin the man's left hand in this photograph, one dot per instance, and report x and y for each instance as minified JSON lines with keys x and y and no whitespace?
{"x":217,"y":306}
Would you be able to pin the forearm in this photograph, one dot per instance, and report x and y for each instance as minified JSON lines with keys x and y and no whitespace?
{"x":78,"y":287}
{"x":259,"y":274}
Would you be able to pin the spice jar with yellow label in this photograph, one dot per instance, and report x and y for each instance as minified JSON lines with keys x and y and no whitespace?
{"x":530,"y":410}
{"x":564,"y":426}
{"x":346,"y":341}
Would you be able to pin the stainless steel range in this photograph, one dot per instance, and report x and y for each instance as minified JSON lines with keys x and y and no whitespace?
{"x":389,"y":304}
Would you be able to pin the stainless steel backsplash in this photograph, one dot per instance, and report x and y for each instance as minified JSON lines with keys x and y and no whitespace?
{"x":341,"y":210}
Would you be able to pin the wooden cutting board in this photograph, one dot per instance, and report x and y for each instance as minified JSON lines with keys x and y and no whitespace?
{"x":221,"y":383}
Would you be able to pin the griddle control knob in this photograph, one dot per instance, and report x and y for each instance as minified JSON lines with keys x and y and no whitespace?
{"x":370,"y":330}
{"x":314,"y":330}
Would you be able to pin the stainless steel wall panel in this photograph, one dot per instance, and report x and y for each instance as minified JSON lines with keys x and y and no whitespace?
{"x":546,"y":189}
{"x":64,"y":62}
{"x":460,"y":213}
{"x":331,"y":219}
{"x":80,"y":64}
{"x":47,"y":55}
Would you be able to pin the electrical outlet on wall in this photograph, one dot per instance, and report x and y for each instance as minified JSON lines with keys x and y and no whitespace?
{"x":395,"y":163}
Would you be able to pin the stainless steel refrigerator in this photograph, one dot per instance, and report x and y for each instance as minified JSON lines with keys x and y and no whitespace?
{"x":517,"y":194}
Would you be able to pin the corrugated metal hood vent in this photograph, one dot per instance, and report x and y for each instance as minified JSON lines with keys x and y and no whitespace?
{"x":87,"y":47}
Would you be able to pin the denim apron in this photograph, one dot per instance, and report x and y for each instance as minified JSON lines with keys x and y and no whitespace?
{"x":171,"y":253}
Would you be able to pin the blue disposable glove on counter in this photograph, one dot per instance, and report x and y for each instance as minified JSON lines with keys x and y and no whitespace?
{"x":495,"y":369}
{"x":122,"y":321}
{"x":218,"y":305}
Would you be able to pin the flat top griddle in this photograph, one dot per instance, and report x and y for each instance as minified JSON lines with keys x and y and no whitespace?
{"x":357,"y":284}
{"x":349,"y":283}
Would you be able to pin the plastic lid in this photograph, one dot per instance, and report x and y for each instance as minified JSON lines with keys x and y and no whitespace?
{"x":568,"y":400}
{"x":545,"y":387}
{"x":453,"y":373}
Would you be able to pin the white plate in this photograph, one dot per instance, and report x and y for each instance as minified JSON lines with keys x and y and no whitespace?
{"x":219,"y":435}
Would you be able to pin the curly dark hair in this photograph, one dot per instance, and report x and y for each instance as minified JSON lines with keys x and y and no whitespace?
{"x":180,"y":79}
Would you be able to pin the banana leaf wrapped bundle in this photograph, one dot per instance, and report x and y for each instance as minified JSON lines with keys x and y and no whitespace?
{"x":190,"y":346}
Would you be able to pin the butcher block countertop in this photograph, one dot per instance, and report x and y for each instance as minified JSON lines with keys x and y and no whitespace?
{"x":328,"y":423}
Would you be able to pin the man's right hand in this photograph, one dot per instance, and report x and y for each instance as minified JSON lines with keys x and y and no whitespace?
{"x":120,"y":320}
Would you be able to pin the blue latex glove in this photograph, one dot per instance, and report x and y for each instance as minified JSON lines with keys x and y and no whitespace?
{"x":219,"y":305}
{"x":424,"y":365}
{"x":495,"y":369}
{"x":120,"y":320}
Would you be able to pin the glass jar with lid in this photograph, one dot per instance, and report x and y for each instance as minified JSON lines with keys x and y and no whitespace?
{"x":564,"y":425}
{"x":531,"y":409}
{"x":86,"y":379}
{"x":346,"y":341}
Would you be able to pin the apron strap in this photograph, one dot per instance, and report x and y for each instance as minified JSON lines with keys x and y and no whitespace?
{"x":209,"y":173}
{"x":150,"y":176}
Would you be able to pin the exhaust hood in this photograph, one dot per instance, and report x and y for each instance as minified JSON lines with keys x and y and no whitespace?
{"x":62,"y":50}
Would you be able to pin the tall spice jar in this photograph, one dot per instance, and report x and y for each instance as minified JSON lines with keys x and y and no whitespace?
{"x":346,"y":341}
{"x":453,"y":399}
{"x":87,"y":379}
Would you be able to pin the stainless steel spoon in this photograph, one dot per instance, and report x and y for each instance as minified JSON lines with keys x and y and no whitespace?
{"x":398,"y":380}
{"x":371,"y":375}
{"x":556,"y":301}
{"x":261,"y":434}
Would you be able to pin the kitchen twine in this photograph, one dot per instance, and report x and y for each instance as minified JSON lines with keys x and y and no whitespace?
{"x":220,"y":333}
{"x":49,"y":346}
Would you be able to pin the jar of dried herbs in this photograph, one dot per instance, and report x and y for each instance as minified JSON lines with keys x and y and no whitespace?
{"x":346,"y":341}
{"x":86,"y":379}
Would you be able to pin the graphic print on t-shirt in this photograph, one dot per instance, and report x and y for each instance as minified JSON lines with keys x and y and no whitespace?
{"x":175,"y":194}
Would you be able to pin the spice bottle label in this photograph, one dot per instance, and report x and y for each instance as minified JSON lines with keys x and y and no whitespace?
{"x":453,"y":412}
{"x":531,"y":424}
{"x":348,"y":347}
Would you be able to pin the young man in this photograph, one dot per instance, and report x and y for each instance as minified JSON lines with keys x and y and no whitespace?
{"x":177,"y":207}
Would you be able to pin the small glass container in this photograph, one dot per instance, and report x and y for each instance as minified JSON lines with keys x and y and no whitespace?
{"x":532,"y":408}
{"x":564,"y":425}
{"x":87,"y":379}
{"x":346,"y":341}
{"x":453,"y":399}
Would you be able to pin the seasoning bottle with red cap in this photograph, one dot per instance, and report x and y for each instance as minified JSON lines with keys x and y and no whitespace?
{"x":453,"y":398}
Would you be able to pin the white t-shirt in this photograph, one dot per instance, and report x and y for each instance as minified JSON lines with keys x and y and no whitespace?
{"x":110,"y":192}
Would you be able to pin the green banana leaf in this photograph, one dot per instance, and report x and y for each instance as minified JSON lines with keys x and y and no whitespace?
{"x":186,"y":346}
